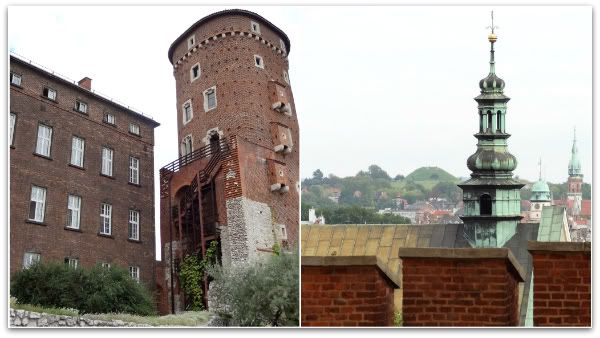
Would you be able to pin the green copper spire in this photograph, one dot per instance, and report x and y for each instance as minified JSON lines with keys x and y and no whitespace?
{"x":492,"y":199}
{"x":574,"y":163}
{"x":540,"y":191}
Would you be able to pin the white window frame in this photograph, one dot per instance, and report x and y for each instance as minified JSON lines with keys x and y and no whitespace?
{"x":73,"y":262}
{"x":134,"y":128}
{"x":192,"y":78}
{"x":187,"y":103}
{"x":51,"y":93}
{"x":77,"y":151}
{"x":259,"y":61}
{"x":44,"y":140}
{"x":105,"y":219}
{"x":81,"y":106}
{"x":38,"y":196}
{"x":107,"y":161}
{"x":134,"y":272}
{"x":14,"y":81}
{"x":184,"y":144}
{"x":134,"y":170}
{"x":30,"y":258}
{"x":13,"y":121}
{"x":108,"y":117}
{"x":286,"y":77}
{"x":205,"y":94}
{"x":106,"y":265}
{"x":134,"y":225}
{"x":191,"y":42}
{"x":73,"y":211}
{"x":254,"y":24}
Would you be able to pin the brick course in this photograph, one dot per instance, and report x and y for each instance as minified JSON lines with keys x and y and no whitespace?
{"x":561,"y":283}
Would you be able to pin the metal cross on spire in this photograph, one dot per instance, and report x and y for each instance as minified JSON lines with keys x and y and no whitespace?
{"x":540,"y":164}
{"x":492,"y":27}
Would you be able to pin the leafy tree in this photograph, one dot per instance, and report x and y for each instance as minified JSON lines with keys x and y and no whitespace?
{"x":359,"y":215}
{"x":89,"y":290}
{"x":317,"y":175}
{"x":375,"y":171}
{"x":262,"y":293}
{"x":399,"y":177}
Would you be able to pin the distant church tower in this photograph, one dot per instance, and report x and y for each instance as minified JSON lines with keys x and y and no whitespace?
{"x":492,"y":198}
{"x":575,"y":179}
{"x":540,"y":197}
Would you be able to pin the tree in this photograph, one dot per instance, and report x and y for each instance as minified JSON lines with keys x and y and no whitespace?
{"x":318,"y":175}
{"x":375,"y":171}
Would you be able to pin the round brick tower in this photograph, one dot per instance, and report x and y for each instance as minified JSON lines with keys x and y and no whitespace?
{"x":236,"y":179}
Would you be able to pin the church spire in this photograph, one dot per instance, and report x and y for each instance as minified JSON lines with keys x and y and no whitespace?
{"x":574,"y":163}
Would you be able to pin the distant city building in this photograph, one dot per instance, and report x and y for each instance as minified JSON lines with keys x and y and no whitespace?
{"x":81,"y":176}
{"x":313,"y":218}
{"x":540,"y":197}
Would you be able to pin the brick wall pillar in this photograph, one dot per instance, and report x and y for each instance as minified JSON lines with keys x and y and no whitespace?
{"x":346,"y":291}
{"x":460,"y":287}
{"x":561,"y":283}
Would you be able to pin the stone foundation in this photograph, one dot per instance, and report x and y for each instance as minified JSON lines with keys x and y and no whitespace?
{"x":22,"y":318}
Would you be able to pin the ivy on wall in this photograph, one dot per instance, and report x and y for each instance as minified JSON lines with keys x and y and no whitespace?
{"x":191,"y":276}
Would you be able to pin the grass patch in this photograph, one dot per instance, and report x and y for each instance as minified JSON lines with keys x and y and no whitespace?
{"x":40,"y":309}
{"x":189,"y":318}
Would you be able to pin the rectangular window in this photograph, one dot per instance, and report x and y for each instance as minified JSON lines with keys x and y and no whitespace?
{"x":191,"y":41}
{"x":49,"y":93}
{"x":37,"y":204}
{"x":134,"y":225}
{"x":105,"y":218}
{"x":210,"y":99}
{"x":44,"y":140}
{"x":109,"y":118}
{"x":134,"y":128}
{"x":72,"y":262}
{"x":106,"y":265}
{"x":188,"y":113}
{"x":282,"y":45}
{"x":187,"y":146}
{"x":255,"y":27}
{"x":11,"y":132}
{"x":134,"y":272}
{"x":77,"y":151}
{"x":134,"y":170}
{"x":194,"y":72}
{"x":107,"y":161}
{"x":73,"y":211}
{"x":15,"y":79}
{"x":30,"y":258}
{"x":81,"y":106}
{"x":258,"y":61}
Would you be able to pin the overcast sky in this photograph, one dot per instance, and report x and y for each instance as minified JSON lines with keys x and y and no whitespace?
{"x":392,"y":86}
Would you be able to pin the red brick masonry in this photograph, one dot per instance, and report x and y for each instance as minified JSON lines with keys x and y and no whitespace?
{"x":460,"y":287}
{"x":561,"y":283}
{"x":346,"y":291}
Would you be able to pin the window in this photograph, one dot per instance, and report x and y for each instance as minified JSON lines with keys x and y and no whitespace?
{"x":105,"y":218}
{"x":210,"y":99}
{"x":188,"y":112}
{"x":72,"y":262}
{"x":258,"y":61}
{"x":255,"y":27}
{"x":106,"y":265}
{"x":485,"y":204}
{"x":134,"y":272}
{"x":77,"y":151}
{"x":194,"y":72}
{"x":134,"y":225}
{"x":107,"y":159}
{"x":134,"y":128}
{"x":187,"y":145}
{"x":282,"y":45}
{"x":81,"y":107}
{"x":30,"y":258}
{"x":134,"y":170}
{"x":11,"y":132}
{"x":73,"y":211}
{"x":44,"y":140}
{"x":15,"y":79}
{"x":37,"y":204}
{"x":286,"y":77}
{"x":191,"y":41}
{"x":109,"y":118}
{"x":49,"y":93}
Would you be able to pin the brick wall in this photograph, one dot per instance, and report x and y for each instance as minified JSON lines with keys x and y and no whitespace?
{"x":561,"y":283}
{"x":460,"y":287}
{"x":346,"y":291}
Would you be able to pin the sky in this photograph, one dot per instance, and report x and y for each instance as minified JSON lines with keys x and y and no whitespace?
{"x":392,"y":86}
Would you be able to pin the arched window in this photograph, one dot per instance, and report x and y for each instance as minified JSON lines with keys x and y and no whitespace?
{"x":489,"y":115}
{"x":214,"y":143}
{"x":485,"y":204}
{"x":499,"y":121}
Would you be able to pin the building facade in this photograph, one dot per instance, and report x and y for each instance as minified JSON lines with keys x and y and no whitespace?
{"x":236,"y":178}
{"x":81,"y":176}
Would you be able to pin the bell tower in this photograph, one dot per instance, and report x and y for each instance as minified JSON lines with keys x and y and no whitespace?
{"x":575,"y":178}
{"x":492,"y":198}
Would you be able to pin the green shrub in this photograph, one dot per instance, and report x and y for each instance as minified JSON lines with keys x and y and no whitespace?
{"x":191,"y":276}
{"x":94,"y":290}
{"x":260,"y":294}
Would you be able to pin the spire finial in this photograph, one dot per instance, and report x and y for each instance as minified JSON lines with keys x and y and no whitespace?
{"x":492,"y":38}
{"x":540,"y":164}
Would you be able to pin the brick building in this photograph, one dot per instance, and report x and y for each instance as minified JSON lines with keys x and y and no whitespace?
{"x":81,"y":175}
{"x":236,"y":178}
